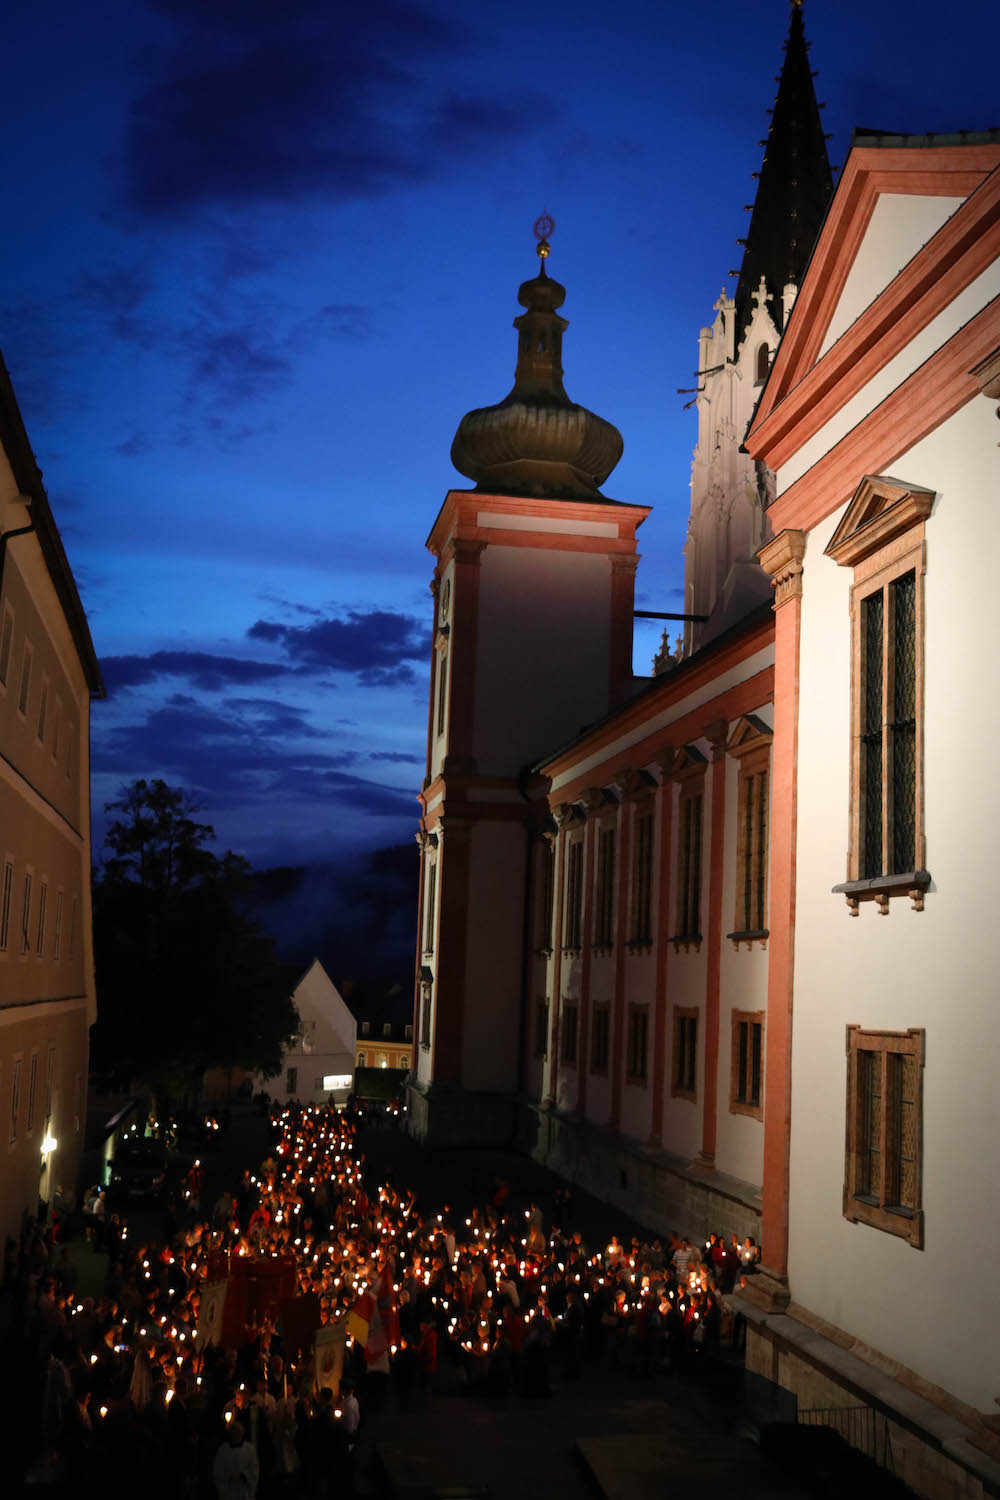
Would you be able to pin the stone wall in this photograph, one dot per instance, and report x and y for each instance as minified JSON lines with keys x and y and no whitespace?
{"x":659,"y":1191}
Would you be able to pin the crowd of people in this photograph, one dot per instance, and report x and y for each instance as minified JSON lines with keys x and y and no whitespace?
{"x":145,"y":1382}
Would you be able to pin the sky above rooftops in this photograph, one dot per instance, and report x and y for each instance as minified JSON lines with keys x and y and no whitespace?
{"x":259,"y":261}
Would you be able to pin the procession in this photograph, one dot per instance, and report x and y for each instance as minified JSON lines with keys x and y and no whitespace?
{"x":242,"y":1354}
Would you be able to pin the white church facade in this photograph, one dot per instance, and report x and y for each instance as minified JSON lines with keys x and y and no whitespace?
{"x":718,"y":956}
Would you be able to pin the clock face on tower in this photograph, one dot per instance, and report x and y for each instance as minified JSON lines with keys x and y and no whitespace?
{"x":445,"y":599}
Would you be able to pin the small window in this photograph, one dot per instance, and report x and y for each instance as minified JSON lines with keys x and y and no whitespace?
{"x":43,"y":709}
{"x":763,"y":362}
{"x":362,"y":1059}
{"x":291,"y":1080}
{"x":26,"y":915}
{"x":365,"y":1028}
{"x":430,"y":915}
{"x":600,"y":1039}
{"x":32,"y":1092}
{"x":387,"y":1028}
{"x":43,"y":901}
{"x":638,"y":1037}
{"x":74,"y":916}
{"x":6,"y":897}
{"x":50,"y":1076}
{"x":442,"y":691}
{"x":604,"y":930}
{"x":753,"y":813}
{"x":689,"y":863}
{"x":408,"y":1032}
{"x":541,"y":1028}
{"x":426,"y":1003}
{"x":569,"y":1033}
{"x":574,"y":896}
{"x":642,"y":881}
{"x":57,"y":728}
{"x":747,"y":1064}
{"x":548,"y":872}
{"x":57,"y":928}
{"x":6,"y":644}
{"x":25,"y":690}
{"x":684,"y":1075}
{"x":15,"y":1097}
{"x":882,"y":1175}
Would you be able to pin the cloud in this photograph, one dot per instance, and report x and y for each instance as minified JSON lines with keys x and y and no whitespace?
{"x":256,"y":104}
{"x":377,"y":645}
{"x":242,"y":762}
{"x":397,"y":757}
{"x":135,"y":446}
{"x":200,"y":668}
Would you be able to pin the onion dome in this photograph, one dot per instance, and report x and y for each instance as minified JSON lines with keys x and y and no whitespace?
{"x":537,"y":441}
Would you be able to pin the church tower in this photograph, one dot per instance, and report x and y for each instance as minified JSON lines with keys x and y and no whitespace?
{"x":729,"y":492}
{"x":533,"y":597}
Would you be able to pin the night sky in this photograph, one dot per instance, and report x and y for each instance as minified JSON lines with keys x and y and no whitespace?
{"x":258,"y":260}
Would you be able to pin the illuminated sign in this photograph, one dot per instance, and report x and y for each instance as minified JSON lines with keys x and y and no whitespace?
{"x":338,"y":1081}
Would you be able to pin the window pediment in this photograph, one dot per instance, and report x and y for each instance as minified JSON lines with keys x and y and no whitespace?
{"x":881,"y":509}
{"x":689,"y":761}
{"x":750,"y":733}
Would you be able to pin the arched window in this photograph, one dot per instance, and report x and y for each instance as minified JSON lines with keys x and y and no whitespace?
{"x":763,"y":362}
{"x":362,"y":1060}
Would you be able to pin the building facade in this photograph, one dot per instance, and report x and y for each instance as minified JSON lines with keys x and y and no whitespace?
{"x":48,"y":675}
{"x":318,"y":1063}
{"x":880,"y":1114}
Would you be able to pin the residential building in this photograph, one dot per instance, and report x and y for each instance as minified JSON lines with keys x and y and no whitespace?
{"x":319,"y":1061}
{"x":48,"y":676}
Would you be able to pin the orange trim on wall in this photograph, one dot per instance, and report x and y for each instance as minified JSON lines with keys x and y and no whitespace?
{"x":591,"y":834}
{"x":961,"y":250}
{"x":932,"y":394}
{"x":740,"y":699}
{"x":453,"y":935}
{"x":957,"y":171}
{"x":781,"y":942}
{"x":716,"y":867}
{"x":616,"y":1062}
{"x":460,"y":508}
{"x":664,"y":892}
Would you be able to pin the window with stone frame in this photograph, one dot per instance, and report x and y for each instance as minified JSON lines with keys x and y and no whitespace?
{"x":883,"y":1153}
{"x":430,"y":907}
{"x":570,"y":1027}
{"x":6,"y":898}
{"x":881,"y":537}
{"x":637,"y":1046}
{"x":600,"y":1039}
{"x":425,"y":1014}
{"x":641,"y":935}
{"x":684,"y":1073}
{"x":546,"y":915}
{"x":6,"y":644}
{"x":604,"y":895}
{"x":291,"y":1080}
{"x":541,"y":1028}
{"x":750,"y":745}
{"x":690,"y":819}
{"x":573,"y":938}
{"x":746,"y":1067}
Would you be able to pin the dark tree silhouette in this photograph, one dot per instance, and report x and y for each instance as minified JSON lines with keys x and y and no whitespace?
{"x":185,"y":979}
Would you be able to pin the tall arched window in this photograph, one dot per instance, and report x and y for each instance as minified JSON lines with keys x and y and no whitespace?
{"x":763,"y":362}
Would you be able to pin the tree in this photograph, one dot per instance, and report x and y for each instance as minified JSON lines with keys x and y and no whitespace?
{"x":185,"y":979}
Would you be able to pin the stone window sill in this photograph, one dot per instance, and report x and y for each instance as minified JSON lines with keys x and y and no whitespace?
{"x":761,"y":936}
{"x":906,"y":1223}
{"x":687,"y":941}
{"x":882,"y":888}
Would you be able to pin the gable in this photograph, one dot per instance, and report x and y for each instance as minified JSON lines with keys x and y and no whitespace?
{"x":812,"y":379}
{"x":881,"y":508}
{"x":900,"y":225}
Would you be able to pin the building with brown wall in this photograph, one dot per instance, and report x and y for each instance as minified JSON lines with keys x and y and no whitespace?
{"x":48,"y":675}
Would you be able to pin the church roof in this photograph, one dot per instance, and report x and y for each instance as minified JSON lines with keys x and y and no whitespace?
{"x":794,"y":189}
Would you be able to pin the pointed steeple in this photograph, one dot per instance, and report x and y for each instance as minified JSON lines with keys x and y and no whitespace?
{"x":794,"y":189}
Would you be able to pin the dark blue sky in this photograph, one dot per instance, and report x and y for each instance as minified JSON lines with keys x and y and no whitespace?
{"x":259,"y":258}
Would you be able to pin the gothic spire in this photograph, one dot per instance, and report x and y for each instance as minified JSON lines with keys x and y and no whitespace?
{"x":794,"y":188}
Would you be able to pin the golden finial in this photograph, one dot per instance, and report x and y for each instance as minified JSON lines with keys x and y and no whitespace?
{"x":544,"y":226}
